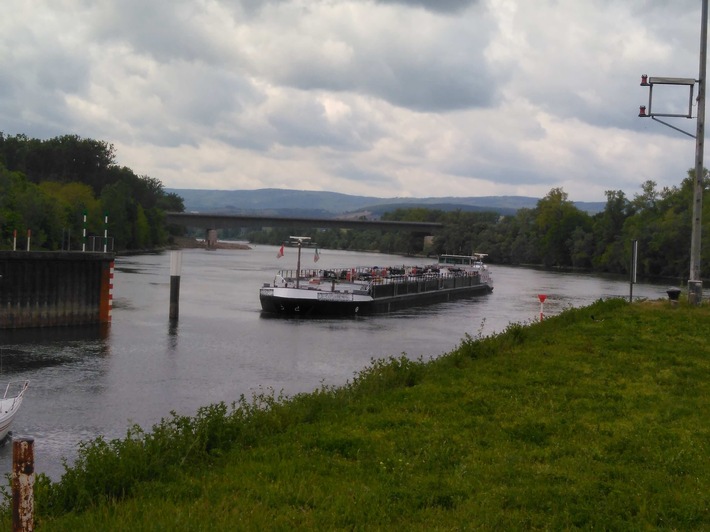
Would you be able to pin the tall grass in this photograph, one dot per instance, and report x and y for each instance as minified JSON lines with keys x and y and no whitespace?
{"x":575,"y":422}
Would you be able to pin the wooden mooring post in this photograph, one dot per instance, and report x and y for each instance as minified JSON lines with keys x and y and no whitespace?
{"x":23,"y":479}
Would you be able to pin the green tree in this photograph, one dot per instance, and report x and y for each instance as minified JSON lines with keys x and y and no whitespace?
{"x":646,"y":201}
{"x":67,"y":168}
{"x":556,"y":220}
{"x":142,"y":236}
{"x":611,"y":251}
{"x":524,"y":238}
{"x":462,"y":231}
{"x":662,"y":226}
{"x":73,"y":199}
{"x":121,"y":210}
{"x":581,"y":248}
{"x":24,"y":206}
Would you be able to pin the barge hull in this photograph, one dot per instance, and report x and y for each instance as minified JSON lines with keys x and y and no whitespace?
{"x":401,"y":302}
{"x":312,"y":307}
{"x":381,"y":305}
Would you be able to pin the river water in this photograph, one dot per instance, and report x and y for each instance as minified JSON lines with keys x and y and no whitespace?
{"x":93,"y":381}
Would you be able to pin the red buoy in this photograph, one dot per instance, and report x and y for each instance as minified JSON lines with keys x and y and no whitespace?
{"x":542,"y":298}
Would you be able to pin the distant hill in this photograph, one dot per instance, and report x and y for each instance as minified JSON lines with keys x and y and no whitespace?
{"x":308,"y":203}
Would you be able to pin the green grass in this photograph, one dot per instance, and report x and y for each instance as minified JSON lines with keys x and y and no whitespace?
{"x":571,"y":423}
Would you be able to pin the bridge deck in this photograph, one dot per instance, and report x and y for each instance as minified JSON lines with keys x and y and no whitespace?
{"x":230,"y":221}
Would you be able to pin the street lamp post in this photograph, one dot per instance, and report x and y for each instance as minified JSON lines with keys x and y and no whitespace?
{"x":695,"y":283}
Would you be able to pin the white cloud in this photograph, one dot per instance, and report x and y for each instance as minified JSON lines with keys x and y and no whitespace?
{"x":383,"y":98}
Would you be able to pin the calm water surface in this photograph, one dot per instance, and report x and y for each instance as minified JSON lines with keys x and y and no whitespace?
{"x":99,"y":381}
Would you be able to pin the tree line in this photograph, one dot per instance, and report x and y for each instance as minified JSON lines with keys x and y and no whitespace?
{"x":553,"y":234}
{"x":50,"y":186}
{"x":46,"y":186}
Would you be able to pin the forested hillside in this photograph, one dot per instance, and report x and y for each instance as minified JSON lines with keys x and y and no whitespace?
{"x":312,"y":203}
{"x":553,"y":234}
{"x":46,"y":186}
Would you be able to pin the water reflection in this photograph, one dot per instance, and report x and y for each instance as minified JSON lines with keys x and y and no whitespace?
{"x":55,"y":334}
{"x":28,"y":350}
{"x":173,"y":326}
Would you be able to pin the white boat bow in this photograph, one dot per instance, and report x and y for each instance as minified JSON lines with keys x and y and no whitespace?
{"x":10,"y":403}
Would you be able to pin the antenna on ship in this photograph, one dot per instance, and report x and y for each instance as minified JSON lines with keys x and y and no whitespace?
{"x":299,"y":240}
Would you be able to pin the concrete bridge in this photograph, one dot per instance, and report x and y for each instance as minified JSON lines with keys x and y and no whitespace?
{"x":233,"y":221}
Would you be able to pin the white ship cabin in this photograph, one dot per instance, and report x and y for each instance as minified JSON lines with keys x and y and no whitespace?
{"x":466,"y":261}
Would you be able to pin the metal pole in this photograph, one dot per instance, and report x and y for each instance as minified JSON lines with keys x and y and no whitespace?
{"x":83,"y":233}
{"x":695,"y":283}
{"x":632,"y":270}
{"x":298,"y":265}
{"x":175,"y":267}
{"x":105,"y":232}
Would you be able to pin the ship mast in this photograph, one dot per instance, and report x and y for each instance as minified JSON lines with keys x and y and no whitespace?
{"x":299,"y":240}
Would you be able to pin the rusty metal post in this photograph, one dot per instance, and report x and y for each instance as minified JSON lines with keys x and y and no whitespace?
{"x":23,"y":479}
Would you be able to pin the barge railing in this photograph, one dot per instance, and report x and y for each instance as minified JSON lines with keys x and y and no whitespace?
{"x":416,"y":279}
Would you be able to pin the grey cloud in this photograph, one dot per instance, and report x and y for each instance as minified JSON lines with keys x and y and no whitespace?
{"x":509,"y":174}
{"x":302,"y":130}
{"x":163,"y":29}
{"x":358,"y":174}
{"x":435,"y":86}
{"x":205,"y":96}
{"x":33,"y":100}
{"x":251,"y":7}
{"x":598,"y":84}
{"x":39,"y":70}
{"x":256,"y":141}
{"x":448,"y":72}
{"x":422,"y":87}
{"x":305,"y":125}
{"x":441,"y":6}
{"x":440,"y":74}
{"x":498,"y":163}
{"x":62,"y":71}
{"x":160,"y":74}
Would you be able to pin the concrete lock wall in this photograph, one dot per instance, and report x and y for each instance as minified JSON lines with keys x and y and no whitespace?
{"x":50,"y":289}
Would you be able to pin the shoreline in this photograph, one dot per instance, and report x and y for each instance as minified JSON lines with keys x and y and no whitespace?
{"x":181,"y":242}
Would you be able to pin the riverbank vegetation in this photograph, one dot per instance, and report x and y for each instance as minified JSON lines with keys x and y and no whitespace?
{"x":46,"y":186}
{"x":554,"y":234}
{"x":593,"y":419}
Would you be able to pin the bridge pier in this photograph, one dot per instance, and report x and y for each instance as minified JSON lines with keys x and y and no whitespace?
{"x":211,"y":238}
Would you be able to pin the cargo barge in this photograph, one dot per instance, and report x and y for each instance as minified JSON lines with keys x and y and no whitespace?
{"x":373,"y":290}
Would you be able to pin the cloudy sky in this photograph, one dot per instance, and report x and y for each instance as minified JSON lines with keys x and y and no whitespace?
{"x":408,"y":98}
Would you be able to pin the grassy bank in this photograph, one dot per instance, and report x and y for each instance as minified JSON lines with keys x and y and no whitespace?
{"x":597,"y":418}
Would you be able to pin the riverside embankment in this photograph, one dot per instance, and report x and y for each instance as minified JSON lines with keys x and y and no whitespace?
{"x":596,"y":418}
